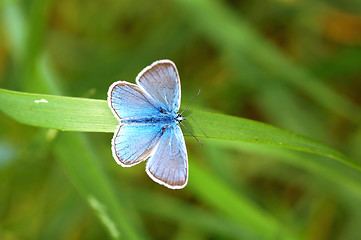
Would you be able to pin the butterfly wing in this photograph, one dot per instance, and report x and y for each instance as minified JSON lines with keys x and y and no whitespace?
{"x":161,"y":81}
{"x":169,"y":163}
{"x":128,"y":100}
{"x":158,"y":90}
{"x":132,"y":144}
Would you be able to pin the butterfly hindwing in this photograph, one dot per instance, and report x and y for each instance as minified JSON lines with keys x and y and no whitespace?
{"x":161,"y":81}
{"x":134,"y":143}
{"x":169,"y":163}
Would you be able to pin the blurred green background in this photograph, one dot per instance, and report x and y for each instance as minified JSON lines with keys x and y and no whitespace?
{"x":290,"y":63}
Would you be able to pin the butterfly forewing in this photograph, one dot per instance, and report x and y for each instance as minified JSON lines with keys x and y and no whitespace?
{"x":161,"y":81}
{"x":128,"y":100}
{"x":169,"y":164}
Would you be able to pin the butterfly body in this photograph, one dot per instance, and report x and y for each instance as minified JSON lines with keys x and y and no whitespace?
{"x":164,"y":119}
{"x":148,"y":117}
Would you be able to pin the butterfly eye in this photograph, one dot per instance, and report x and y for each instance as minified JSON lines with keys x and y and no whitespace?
{"x":179,"y":118}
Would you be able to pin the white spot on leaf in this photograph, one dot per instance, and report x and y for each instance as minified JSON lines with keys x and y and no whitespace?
{"x":41,"y":101}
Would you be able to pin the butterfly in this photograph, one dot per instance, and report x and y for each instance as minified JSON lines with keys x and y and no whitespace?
{"x":149,"y":124}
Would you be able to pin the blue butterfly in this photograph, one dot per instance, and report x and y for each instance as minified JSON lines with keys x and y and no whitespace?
{"x":148,"y":116}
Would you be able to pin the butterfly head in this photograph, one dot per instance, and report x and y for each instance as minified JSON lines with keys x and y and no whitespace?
{"x":179,"y":118}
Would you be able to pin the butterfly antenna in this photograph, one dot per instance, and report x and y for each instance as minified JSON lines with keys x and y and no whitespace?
{"x":192,"y":133}
{"x":199,"y":91}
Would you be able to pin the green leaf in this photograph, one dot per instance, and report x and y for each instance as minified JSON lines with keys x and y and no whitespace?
{"x":57,"y":112}
{"x":80,"y":114}
{"x":237,"y":206}
{"x":172,"y":208}
{"x":91,"y":181}
{"x":236,"y":38}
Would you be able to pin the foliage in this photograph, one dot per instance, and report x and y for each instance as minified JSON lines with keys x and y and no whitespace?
{"x":294,"y":65}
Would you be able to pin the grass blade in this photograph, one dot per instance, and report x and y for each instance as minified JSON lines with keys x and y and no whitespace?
{"x":85,"y":172}
{"x":235,"y":37}
{"x":62,"y":113}
{"x":80,"y":114}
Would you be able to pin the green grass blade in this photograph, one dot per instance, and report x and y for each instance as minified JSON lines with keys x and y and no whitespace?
{"x":86,"y":174}
{"x":235,"y":37}
{"x":212,"y":125}
{"x":62,"y":113}
{"x":174,"y":209}
{"x":236,"y":206}
{"x":33,"y":71}
{"x":80,"y":114}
